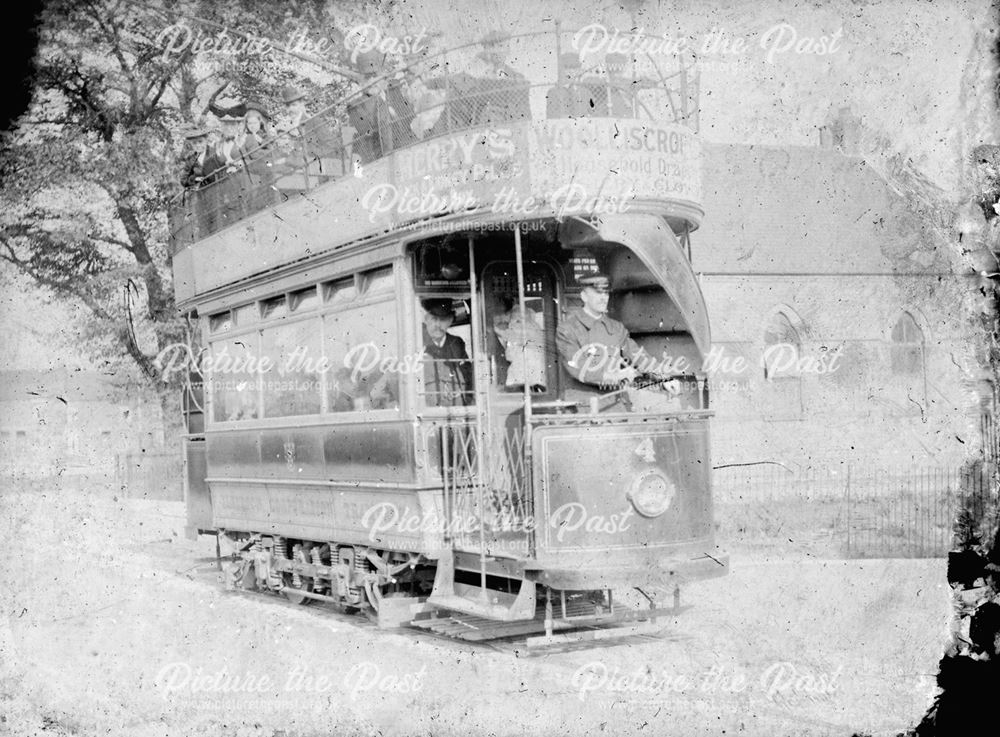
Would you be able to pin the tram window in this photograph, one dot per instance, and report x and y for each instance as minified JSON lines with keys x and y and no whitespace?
{"x":442,"y":266}
{"x":362,"y":356}
{"x":292,"y":383}
{"x":340,"y":291}
{"x":583,"y":262}
{"x":245,"y":315}
{"x":446,"y":335}
{"x":520,"y":352}
{"x":221,"y":322}
{"x":304,"y":299}
{"x":233,"y":381}
{"x":522,"y":344}
{"x":274,"y":307}
{"x":377,"y":280}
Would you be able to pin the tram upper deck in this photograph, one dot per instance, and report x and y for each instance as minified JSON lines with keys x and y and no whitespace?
{"x":532,"y":126}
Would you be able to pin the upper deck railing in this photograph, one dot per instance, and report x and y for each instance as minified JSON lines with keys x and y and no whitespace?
{"x":533,"y":76}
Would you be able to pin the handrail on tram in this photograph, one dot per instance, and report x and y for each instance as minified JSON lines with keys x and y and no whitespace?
{"x":598,"y":403}
{"x":669,"y":82}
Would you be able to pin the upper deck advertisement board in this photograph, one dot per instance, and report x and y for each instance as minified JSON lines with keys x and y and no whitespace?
{"x":519,"y":171}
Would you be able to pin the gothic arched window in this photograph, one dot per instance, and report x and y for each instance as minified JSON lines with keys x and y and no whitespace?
{"x":782,"y":347}
{"x":907,"y":352}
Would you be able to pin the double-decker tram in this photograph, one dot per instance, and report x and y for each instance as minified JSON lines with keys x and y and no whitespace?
{"x":453,"y":361}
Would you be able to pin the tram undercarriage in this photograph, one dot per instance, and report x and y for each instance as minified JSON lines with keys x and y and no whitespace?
{"x":398,"y":589}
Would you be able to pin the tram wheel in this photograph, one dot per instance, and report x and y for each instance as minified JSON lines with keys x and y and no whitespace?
{"x":291,"y":591}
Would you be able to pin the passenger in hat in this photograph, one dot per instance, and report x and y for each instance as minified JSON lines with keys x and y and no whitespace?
{"x":193,"y":157}
{"x":225,"y":107}
{"x":228,"y":150}
{"x":596,"y":349}
{"x":568,"y":98}
{"x":448,"y":377}
{"x":309,"y":141}
{"x":214,"y":166}
{"x":258,"y":153}
{"x":256,"y":127}
{"x":295,"y":112}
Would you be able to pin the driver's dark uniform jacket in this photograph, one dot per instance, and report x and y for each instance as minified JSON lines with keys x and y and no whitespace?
{"x":447,"y":372}
{"x":589,"y":347}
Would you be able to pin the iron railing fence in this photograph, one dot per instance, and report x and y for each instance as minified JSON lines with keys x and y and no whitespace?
{"x":990,"y":439}
{"x":853,"y":511}
{"x":470,"y":86}
{"x":154,"y":475}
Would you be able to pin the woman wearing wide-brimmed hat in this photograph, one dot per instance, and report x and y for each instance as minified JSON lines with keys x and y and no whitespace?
{"x":257,"y":131}
{"x":259,"y":153}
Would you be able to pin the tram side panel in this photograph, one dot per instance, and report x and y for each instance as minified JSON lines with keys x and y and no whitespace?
{"x":197,"y":497}
{"x":351,"y":483}
{"x":623,"y":505}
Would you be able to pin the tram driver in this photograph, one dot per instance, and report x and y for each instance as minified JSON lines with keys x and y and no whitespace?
{"x":447,"y":369}
{"x":596,"y":349}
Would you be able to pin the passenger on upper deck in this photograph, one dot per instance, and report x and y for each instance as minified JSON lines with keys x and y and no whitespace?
{"x":487,"y":89}
{"x":568,"y":98}
{"x":194,"y":156}
{"x":256,"y":130}
{"x":427,"y":103}
{"x":258,"y":153}
{"x":448,"y":376}
{"x":382,"y":116}
{"x":294,"y":113}
{"x":228,"y":150}
{"x":596,"y":349}
{"x":308,"y":140}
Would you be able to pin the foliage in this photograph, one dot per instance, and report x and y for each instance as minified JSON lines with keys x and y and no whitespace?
{"x":88,"y":174}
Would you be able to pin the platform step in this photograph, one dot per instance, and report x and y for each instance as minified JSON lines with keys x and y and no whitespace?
{"x":478,"y":629}
{"x":474,"y":628}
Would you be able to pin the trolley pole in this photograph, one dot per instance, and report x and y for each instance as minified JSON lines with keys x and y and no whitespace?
{"x":480,"y":392}
{"x":522,"y":307}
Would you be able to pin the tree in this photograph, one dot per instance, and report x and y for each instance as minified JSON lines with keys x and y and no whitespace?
{"x":88,"y":174}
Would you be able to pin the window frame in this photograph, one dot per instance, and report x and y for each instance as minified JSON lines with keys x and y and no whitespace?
{"x":324,"y":307}
{"x":418,"y":383}
{"x":784,"y":374}
{"x":908,"y":348}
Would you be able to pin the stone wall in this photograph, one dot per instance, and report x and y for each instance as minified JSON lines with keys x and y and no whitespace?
{"x":811,"y":247}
